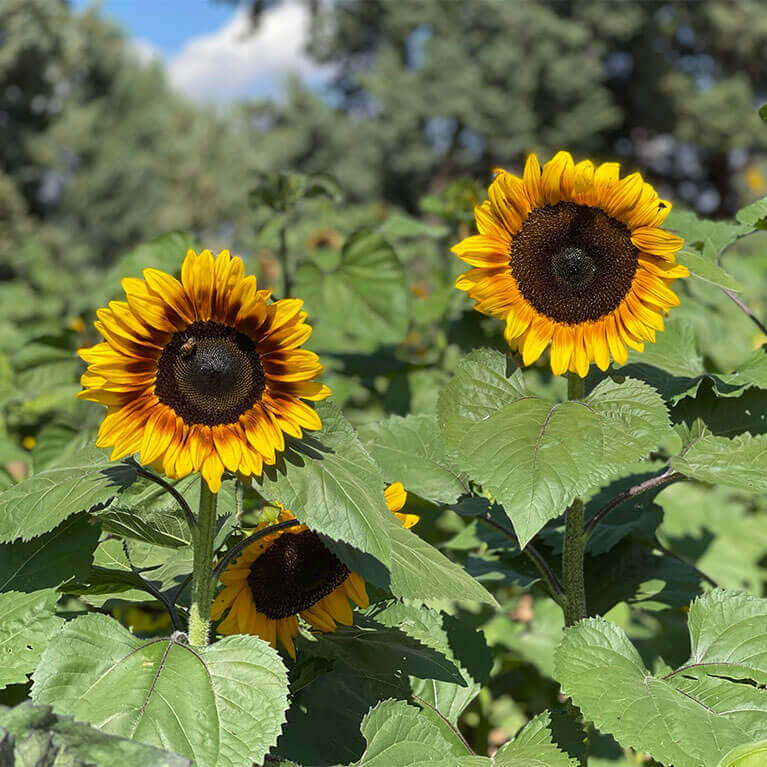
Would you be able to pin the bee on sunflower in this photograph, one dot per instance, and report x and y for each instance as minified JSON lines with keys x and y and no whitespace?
{"x":574,"y":256}
{"x":202,"y":374}
{"x":291,"y":573}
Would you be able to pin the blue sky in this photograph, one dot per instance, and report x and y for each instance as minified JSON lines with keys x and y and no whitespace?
{"x":167,"y":24}
{"x":210,"y":51}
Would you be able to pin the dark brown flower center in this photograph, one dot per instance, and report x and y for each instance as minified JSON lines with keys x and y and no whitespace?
{"x":293,"y":574}
{"x":573,"y":263}
{"x":209,"y":374}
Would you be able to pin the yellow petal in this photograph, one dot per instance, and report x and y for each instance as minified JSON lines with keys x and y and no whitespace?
{"x":562,"y":345}
{"x":395,"y":496}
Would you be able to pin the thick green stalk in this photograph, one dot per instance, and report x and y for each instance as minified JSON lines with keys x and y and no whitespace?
{"x":575,"y":540}
{"x":202,"y":569}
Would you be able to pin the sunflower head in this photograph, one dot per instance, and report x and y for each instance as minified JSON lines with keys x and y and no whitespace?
{"x":202,"y":374}
{"x":574,"y":256}
{"x":292,"y":573}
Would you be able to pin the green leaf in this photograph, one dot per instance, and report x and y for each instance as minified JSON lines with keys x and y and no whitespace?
{"x":421,"y":573}
{"x":410,"y":450}
{"x":534,"y":456}
{"x":740,"y":462}
{"x":752,"y":754}
{"x":45,"y":738}
{"x":403,"y":227}
{"x":36,"y":505}
{"x":398,"y":735}
{"x":27,"y":624}
{"x":162,"y":527}
{"x":533,"y":747}
{"x":754,"y":215}
{"x":728,"y":631}
{"x":221,"y":706}
{"x":602,"y":672}
{"x":763,"y":112}
{"x":49,"y":560}
{"x":706,"y":270}
{"x":363,"y":301}
{"x":704,"y":243}
{"x":386,"y":650}
{"x":712,"y":237}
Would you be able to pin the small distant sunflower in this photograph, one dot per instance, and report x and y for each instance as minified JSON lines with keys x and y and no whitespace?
{"x":292,"y":573}
{"x":204,"y":374}
{"x":574,"y":256}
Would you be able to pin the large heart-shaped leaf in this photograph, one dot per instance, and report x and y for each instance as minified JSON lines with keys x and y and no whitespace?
{"x":221,"y":706}
{"x":534,"y":455}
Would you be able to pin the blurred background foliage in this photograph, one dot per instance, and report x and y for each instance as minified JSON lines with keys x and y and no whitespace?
{"x":350,"y":198}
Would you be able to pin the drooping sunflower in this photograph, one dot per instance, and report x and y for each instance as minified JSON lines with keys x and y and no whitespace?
{"x":572,"y":255}
{"x":202,"y":374}
{"x":291,"y":573}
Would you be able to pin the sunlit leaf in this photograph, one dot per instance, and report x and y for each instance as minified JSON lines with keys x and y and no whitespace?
{"x":221,"y":706}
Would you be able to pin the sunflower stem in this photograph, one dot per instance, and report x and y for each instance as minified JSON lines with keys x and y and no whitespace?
{"x":575,"y":539}
{"x":202,"y":584}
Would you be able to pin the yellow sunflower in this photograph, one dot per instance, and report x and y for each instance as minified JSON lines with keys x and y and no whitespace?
{"x":292,"y":573}
{"x":572,"y":255}
{"x":204,"y":374}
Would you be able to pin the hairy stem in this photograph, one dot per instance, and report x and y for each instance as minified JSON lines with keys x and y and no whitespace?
{"x":575,"y":540}
{"x":202,"y":583}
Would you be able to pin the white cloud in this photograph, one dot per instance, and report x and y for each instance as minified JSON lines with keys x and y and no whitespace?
{"x":237,"y":61}
{"x":144,"y":51}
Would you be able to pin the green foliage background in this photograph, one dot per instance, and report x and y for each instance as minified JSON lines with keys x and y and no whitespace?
{"x":355,"y":195}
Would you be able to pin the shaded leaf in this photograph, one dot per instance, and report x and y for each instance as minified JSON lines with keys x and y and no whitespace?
{"x":44,"y":737}
{"x":27,"y":624}
{"x":49,"y":560}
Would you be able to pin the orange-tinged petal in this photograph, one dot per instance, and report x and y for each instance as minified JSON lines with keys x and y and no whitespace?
{"x":599,"y":346}
{"x":615,"y":344}
{"x":536,"y":339}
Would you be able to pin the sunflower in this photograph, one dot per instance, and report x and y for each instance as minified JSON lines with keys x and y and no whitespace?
{"x":292,"y":573}
{"x":574,"y":256}
{"x":204,"y":374}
